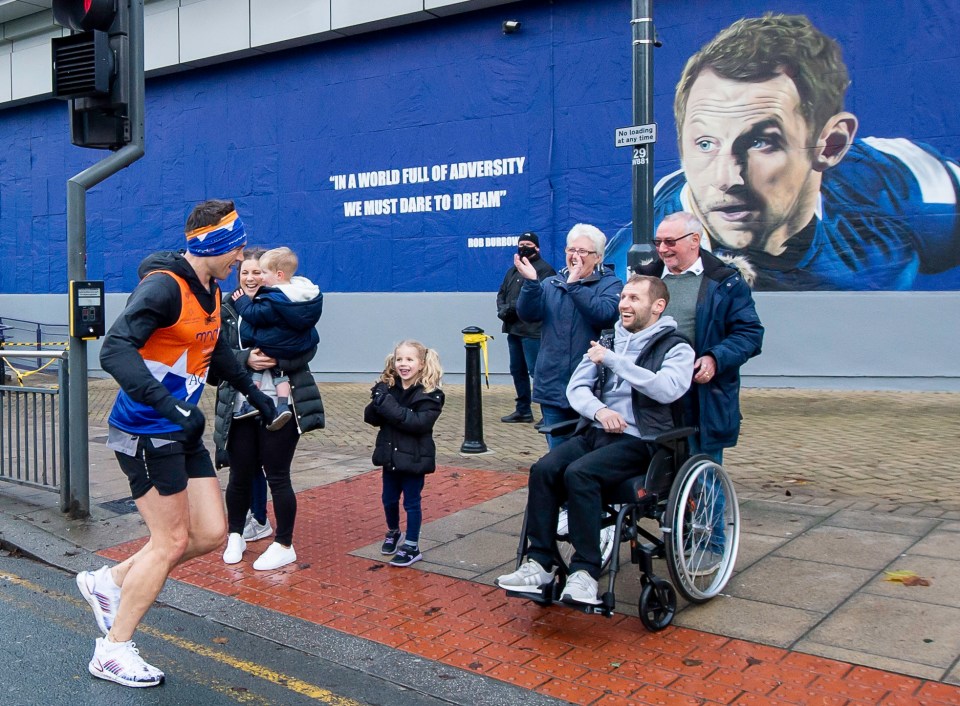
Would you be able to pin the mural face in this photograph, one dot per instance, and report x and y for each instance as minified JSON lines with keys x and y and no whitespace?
{"x":772,"y":167}
{"x":746,"y":158}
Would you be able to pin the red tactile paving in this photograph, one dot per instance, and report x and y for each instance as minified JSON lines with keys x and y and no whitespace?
{"x":581,"y":659}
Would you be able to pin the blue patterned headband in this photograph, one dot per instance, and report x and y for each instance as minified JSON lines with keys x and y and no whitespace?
{"x":219,"y":238}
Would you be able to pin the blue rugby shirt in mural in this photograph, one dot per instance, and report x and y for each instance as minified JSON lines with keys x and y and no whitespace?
{"x":887,"y":212}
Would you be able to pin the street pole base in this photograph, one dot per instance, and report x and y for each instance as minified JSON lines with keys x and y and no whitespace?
{"x":473,"y":447}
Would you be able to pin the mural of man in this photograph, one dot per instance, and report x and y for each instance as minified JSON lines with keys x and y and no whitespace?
{"x":772,"y":168}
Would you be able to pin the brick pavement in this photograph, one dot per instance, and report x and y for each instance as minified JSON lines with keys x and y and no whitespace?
{"x":817,"y":472}
{"x":556,"y":652}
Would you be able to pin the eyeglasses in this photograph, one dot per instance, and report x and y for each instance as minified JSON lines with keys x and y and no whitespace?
{"x":670,"y":242}
{"x":580,"y":251}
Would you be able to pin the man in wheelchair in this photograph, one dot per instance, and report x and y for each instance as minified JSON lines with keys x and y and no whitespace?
{"x":623,"y":396}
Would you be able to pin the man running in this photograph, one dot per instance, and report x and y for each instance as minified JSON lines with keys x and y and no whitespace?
{"x":160,"y":351}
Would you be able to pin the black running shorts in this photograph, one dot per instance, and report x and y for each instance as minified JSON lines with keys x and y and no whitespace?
{"x":166,"y":465}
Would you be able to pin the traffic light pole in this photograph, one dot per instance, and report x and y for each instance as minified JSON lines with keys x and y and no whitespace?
{"x":77,"y":186}
{"x":643,"y":42}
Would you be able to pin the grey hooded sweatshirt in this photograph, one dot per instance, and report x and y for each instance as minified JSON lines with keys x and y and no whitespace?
{"x":666,"y":385}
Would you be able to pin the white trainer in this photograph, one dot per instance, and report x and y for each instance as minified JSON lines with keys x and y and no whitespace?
{"x":103,"y":595}
{"x":236,"y":546}
{"x":275,"y":557}
{"x":253,"y":530}
{"x":527,"y":579}
{"x":581,"y":588}
{"x":121,"y":662}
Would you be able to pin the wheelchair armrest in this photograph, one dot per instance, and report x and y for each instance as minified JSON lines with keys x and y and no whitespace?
{"x":564,"y":427}
{"x":674,"y":434}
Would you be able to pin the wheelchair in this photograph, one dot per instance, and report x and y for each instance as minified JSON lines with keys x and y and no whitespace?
{"x":694,"y":505}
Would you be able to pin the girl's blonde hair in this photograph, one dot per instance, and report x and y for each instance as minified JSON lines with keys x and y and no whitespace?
{"x":430,"y":370}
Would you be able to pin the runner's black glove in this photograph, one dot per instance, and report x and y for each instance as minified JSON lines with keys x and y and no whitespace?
{"x":264,"y":405}
{"x":184,"y":414}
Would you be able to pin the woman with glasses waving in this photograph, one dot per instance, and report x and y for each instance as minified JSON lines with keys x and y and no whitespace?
{"x":574,"y":306}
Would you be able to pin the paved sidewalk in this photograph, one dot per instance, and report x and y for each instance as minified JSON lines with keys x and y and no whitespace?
{"x":835,"y":490}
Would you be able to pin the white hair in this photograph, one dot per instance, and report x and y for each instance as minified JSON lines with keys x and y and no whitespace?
{"x":585,"y":230}
{"x":691,"y":224}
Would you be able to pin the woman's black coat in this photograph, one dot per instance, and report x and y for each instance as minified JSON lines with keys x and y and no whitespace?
{"x":305,"y":395}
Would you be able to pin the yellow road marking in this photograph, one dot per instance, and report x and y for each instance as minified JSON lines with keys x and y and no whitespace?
{"x":252,"y":668}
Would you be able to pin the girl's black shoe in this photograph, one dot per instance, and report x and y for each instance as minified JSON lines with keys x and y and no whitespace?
{"x":406,"y":555}
{"x":390,"y":542}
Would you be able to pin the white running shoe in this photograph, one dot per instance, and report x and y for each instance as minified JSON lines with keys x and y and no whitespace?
{"x":121,"y":662}
{"x":581,"y":588}
{"x":527,"y":579}
{"x":236,"y":546}
{"x":103,"y":595}
{"x":253,"y":530}
{"x":275,"y":557}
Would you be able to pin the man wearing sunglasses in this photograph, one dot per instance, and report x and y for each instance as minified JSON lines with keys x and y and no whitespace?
{"x":714,"y":308}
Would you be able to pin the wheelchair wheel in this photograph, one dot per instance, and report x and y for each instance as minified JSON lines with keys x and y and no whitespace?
{"x":565,"y":549}
{"x":701,"y":529}
{"x":658,"y":604}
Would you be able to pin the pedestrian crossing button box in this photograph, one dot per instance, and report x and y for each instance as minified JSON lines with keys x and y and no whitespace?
{"x":87,"y":316}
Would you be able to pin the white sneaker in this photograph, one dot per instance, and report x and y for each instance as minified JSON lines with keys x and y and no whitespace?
{"x":120,"y":662}
{"x":581,"y":588}
{"x":276,"y":556}
{"x":253,"y":530}
{"x":103,"y":595}
{"x":236,"y":546}
{"x":527,"y":579}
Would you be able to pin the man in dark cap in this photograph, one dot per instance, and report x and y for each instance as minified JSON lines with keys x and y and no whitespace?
{"x":523,"y":339}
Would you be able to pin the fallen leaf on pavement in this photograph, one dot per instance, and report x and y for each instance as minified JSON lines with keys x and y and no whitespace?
{"x":221,"y":640}
{"x":907,"y":578}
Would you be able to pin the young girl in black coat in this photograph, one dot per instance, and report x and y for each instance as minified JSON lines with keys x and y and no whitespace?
{"x":405,"y":403}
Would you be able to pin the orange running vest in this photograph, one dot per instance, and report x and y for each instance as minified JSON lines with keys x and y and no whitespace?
{"x":178,"y":357}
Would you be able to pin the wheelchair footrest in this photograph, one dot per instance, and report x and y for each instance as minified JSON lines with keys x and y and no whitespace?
{"x":590,"y":609}
{"x":605,"y":609}
{"x":538,"y":598}
{"x":548,"y":595}
{"x":545,"y":595}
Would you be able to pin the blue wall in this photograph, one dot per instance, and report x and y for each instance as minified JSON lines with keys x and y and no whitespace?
{"x":272,"y":131}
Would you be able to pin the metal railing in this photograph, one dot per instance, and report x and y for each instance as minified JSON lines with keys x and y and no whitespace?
{"x":19,"y":335}
{"x":34,"y":445}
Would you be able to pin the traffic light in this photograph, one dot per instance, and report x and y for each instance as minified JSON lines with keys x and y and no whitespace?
{"x":91,"y":69}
